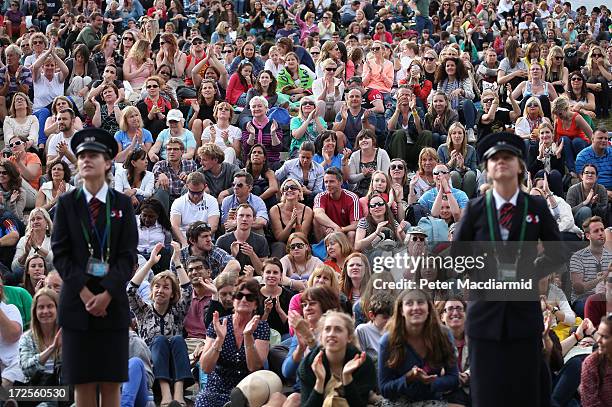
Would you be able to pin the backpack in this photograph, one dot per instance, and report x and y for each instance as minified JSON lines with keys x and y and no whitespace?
{"x":415,"y":212}
{"x":280,"y":114}
{"x":436,"y":229}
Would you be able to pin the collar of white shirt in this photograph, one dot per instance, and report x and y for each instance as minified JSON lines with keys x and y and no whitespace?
{"x":500,"y":201}
{"x":101,"y":195}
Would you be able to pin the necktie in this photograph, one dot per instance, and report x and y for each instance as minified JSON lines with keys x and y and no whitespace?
{"x":505,"y":215}
{"x":94,"y":207}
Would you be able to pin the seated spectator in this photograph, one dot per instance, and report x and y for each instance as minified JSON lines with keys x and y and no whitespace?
{"x":328,"y":91}
{"x":572,"y":129}
{"x":140,"y":371}
{"x":599,"y":154}
{"x":308,"y":173}
{"x":457,"y":199}
{"x":371,"y":228}
{"x":54,"y":282}
{"x":10,"y":335}
{"x":11,"y":189}
{"x":48,"y":74}
{"x":597,"y":305}
{"x":246,"y":246}
{"x":595,"y":386}
{"x":295,"y":80}
{"x":560,"y":210}
{"x":355,"y":276}
{"x":306,"y":125}
{"x":596,"y":70}
{"x":353,"y":118}
{"x":154,"y":109}
{"x":195,"y":205}
{"x":413,"y":317}
{"x":358,"y":373}
{"x":452,"y":314}
{"x":51,"y":126}
{"x":265,"y":184}
{"x":37,"y":240}
{"x":265,"y":86}
{"x":452,"y":78}
{"x":242,"y":186}
{"x":276,"y":304}
{"x":203,"y":291}
{"x":35,"y":272}
{"x":82,"y":71}
{"x":170,"y":173}
{"x":335,"y":209}
{"x":528,"y":125}
{"x":299,"y":261}
{"x":58,"y":173}
{"x":133,"y":179}
{"x":137,"y":67}
{"x":171,"y":298}
{"x":547,"y":156}
{"x":219,"y":174}
{"x":40,"y":346}
{"x":262,"y":130}
{"x":338,"y":248}
{"x":247,"y":54}
{"x":581,"y":100}
{"x":588,"y":266}
{"x":223,"y":134}
{"x":110,"y":76}
{"x":378,"y":71}
{"x":460,"y":159}
{"x":29,"y":167}
{"x":492,"y":118}
{"x":58,"y":145}
{"x":289,"y":216}
{"x":536,"y":86}
{"x":22,"y":299}
{"x":21,"y":122}
{"x":328,"y":152}
{"x":398,"y":181}
{"x":203,"y":108}
{"x":222,"y":301}
{"x":19,"y":77}
{"x":369,"y":334}
{"x":107,"y":114}
{"x":440,"y":115}
{"x":415,"y":80}
{"x":588,"y":197}
{"x":236,"y":345}
{"x":315,"y":301}
{"x":154,"y":227}
{"x":557,"y":303}
{"x":239,"y":84}
{"x":423,"y":180}
{"x":170,"y":55}
{"x":365,"y":160}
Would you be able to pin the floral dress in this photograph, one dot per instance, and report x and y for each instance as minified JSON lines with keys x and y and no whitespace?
{"x":231,"y":366}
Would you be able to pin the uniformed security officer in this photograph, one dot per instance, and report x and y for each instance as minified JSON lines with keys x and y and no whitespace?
{"x":505,"y":337}
{"x":94,"y":245}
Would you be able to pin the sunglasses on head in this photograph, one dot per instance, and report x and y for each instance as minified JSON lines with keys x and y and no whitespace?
{"x":294,"y":246}
{"x":249,"y":297}
{"x":440,"y":172}
{"x":376,"y":204}
{"x":16,"y":143}
{"x":396,"y":167}
{"x":290,"y":188}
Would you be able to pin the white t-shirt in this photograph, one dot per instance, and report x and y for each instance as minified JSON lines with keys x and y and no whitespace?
{"x":234,"y":133}
{"x":191,"y":212}
{"x":46,"y":90}
{"x":52,"y":150}
{"x":9,"y":352}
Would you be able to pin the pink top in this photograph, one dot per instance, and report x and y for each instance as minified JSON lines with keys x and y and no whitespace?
{"x":379,"y":78}
{"x":295,"y":305}
{"x":138,"y":80}
{"x":592,"y":393}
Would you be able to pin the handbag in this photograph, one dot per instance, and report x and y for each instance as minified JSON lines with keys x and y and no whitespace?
{"x":332,"y":394}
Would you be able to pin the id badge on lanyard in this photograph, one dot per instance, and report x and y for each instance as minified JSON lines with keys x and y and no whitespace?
{"x":98,"y":267}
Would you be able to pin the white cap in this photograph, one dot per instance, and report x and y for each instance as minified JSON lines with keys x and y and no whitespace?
{"x":174,"y":115}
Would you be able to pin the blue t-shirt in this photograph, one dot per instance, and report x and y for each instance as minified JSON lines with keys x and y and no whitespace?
{"x":125,"y":141}
{"x":603,"y":164}
{"x":164,"y":136}
{"x":429,"y":197}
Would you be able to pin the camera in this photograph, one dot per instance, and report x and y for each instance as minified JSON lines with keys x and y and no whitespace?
{"x":6,"y":153}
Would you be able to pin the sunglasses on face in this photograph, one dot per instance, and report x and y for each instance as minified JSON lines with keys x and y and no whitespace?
{"x":249,"y":297}
{"x":559,"y":58}
{"x":37,"y":43}
{"x":195,"y":193}
{"x":376,"y":49}
{"x":152,"y":86}
{"x":396,"y":167}
{"x":197,"y":42}
{"x":576,"y":79}
{"x":294,"y":246}
{"x":162,"y":42}
{"x":128,"y":39}
{"x":330,"y":69}
{"x":418,"y":238}
{"x":16,"y":143}
{"x":315,"y":53}
{"x":165,"y":73}
{"x":3,"y":173}
{"x":291,"y":188}
{"x":440,"y":172}
{"x":376,"y":204}
{"x":429,"y":59}
{"x":533,"y":105}
{"x":597,"y":55}
{"x":238,"y":185}
{"x":487,"y":100}
{"x":308,"y":104}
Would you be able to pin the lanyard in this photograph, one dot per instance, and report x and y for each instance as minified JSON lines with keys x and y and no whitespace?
{"x":105,"y":240}
{"x":489,"y":200}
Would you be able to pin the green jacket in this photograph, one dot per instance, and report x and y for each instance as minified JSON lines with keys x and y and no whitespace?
{"x":284,"y":80}
{"x":22,"y":299}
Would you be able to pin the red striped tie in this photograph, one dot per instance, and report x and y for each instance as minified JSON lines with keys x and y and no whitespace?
{"x":505,"y":215}
{"x":94,"y":207}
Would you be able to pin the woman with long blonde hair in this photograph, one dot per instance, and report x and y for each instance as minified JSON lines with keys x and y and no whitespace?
{"x":556,"y":73}
{"x":138,"y":66}
{"x":299,"y":262}
{"x":460,"y":158}
{"x":150,"y":29}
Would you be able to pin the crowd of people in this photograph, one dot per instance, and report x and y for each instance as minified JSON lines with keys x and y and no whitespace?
{"x":272,"y":152}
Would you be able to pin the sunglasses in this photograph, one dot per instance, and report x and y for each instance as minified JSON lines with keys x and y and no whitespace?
{"x":3,"y":173}
{"x":165,"y":73}
{"x":294,"y":246}
{"x":162,"y":42}
{"x":197,"y":42}
{"x":576,"y":79}
{"x":128,"y":39}
{"x":291,"y":188}
{"x":195,"y":193}
{"x":152,"y":86}
{"x":440,"y":172}
{"x":533,"y":105}
{"x":376,"y":204}
{"x":330,"y":69}
{"x":315,"y":53}
{"x":559,"y":58}
{"x":375,"y":49}
{"x":597,"y":55}
{"x":429,"y":59}
{"x":487,"y":100}
{"x":308,"y":104}
{"x":16,"y":143}
{"x":37,"y":42}
{"x":396,"y":167}
{"x":238,"y":185}
{"x":249,"y":297}
{"x":418,"y":238}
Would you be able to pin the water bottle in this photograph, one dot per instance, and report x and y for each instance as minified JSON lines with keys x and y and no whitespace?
{"x":150,"y":401}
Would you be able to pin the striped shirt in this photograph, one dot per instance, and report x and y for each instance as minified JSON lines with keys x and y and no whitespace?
{"x":344,"y":211}
{"x":583,"y":262}
{"x":603,"y":164}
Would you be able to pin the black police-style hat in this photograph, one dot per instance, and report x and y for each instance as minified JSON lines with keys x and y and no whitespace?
{"x":92,"y":139}
{"x":502,"y":141}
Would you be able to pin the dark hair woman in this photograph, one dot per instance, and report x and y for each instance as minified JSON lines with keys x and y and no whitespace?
{"x":12,"y":194}
{"x":135,"y":181}
{"x":59,"y":175}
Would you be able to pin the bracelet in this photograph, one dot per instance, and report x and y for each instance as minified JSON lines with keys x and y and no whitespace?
{"x":249,"y":346}
{"x":576,"y":337}
{"x":179,"y":266}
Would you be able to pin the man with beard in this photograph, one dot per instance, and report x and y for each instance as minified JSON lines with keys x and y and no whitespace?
{"x":58,"y":144}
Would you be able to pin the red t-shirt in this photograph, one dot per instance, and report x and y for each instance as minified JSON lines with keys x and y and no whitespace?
{"x":595,"y":308}
{"x":343,"y":211}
